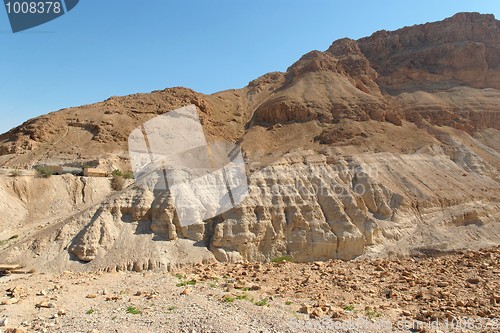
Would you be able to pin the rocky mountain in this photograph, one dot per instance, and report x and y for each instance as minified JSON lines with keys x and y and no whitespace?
{"x":388,"y":145}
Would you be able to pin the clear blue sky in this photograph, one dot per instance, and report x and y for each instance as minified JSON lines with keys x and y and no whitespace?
{"x":104,"y":48}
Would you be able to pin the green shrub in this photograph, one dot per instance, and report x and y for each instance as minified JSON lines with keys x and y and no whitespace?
{"x":117,"y":183}
{"x":128,"y":175}
{"x":349,"y":308}
{"x":262,"y":302}
{"x":44,"y":171}
{"x":372,"y":314}
{"x":242,"y":297}
{"x":186,"y":283}
{"x":133,"y":310}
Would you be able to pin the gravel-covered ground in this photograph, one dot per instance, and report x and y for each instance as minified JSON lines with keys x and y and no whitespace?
{"x":461,"y":292}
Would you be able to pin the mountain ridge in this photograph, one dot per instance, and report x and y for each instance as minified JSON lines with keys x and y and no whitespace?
{"x":349,"y":79}
{"x":421,"y":139}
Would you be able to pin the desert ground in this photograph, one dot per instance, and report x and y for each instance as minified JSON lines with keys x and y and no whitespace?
{"x":451,"y":293}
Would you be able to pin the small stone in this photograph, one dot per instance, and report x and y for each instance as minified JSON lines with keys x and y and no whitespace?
{"x":10,"y":301}
{"x":61,"y":312}
{"x":336,"y":314}
{"x":460,"y":303}
{"x":45,"y":305}
{"x":17,"y":291}
{"x":239,"y":286}
{"x":91,"y":296}
{"x":316,"y":313}
{"x":389,"y":293}
{"x":473,"y":280}
{"x":420,"y":294}
{"x":3,"y":322}
{"x":42,"y":293}
{"x":14,"y":330}
{"x":186,"y":291}
{"x":443,"y":284}
{"x":406,"y":313}
{"x":307,"y":309}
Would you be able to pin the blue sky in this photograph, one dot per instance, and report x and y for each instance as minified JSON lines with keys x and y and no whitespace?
{"x":106,"y":48}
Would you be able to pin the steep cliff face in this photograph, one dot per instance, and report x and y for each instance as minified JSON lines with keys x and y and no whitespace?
{"x":29,"y":202}
{"x":460,"y":51}
{"x":447,"y":73}
{"x":310,"y":207}
{"x":388,"y":145}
